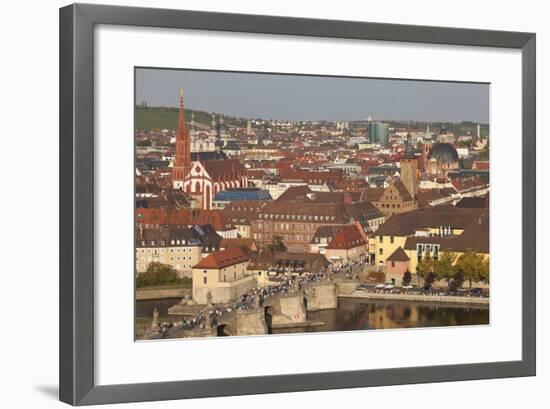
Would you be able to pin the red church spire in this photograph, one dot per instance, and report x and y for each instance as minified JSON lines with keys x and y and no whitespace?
{"x":182,"y":163}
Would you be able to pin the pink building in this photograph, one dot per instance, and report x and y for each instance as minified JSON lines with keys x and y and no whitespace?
{"x":396,"y":265}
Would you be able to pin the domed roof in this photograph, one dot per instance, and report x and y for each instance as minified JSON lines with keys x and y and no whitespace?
{"x":443,"y":152}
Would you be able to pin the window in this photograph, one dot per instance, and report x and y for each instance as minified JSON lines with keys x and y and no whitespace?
{"x":393,"y":263}
{"x":436,"y":251}
{"x":205,"y":280}
{"x":381,"y":251}
{"x":391,"y":239}
{"x":380,"y":239}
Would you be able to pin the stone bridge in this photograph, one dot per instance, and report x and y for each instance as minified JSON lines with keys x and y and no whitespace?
{"x":281,"y":310}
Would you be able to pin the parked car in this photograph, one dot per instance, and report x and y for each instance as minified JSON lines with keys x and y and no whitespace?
{"x":477,"y":292}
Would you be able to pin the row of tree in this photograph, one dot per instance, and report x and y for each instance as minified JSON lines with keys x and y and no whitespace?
{"x":469,"y":266}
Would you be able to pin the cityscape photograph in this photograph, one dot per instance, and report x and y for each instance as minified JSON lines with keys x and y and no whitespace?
{"x":285,"y":203}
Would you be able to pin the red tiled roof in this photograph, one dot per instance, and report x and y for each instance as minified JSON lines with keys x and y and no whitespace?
{"x":255,"y":173}
{"x":223,"y":258}
{"x":348,"y":237}
{"x":481,"y":165}
{"x":238,"y":242}
{"x":224,"y":169}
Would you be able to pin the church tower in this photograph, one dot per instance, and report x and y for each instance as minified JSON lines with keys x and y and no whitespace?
{"x":409,"y":168}
{"x":182,"y":163}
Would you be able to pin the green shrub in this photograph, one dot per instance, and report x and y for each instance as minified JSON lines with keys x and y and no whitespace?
{"x":160,"y":274}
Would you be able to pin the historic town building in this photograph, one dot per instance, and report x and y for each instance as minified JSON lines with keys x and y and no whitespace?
{"x":222,"y":276}
{"x":349,"y":245}
{"x":427,"y":233}
{"x":202,"y":179}
{"x":176,"y":246}
{"x":409,"y":168}
{"x":441,"y":159}
{"x":395,"y":199}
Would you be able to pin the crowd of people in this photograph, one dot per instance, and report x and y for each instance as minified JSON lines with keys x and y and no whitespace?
{"x":409,"y":290}
{"x":254,"y":298}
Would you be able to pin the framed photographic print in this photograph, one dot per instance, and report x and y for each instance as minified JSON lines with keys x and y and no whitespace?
{"x":332,"y":199}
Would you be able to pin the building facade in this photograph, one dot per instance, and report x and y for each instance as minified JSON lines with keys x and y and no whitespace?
{"x":395,"y":199}
{"x":222,"y":276}
{"x":180,"y":248}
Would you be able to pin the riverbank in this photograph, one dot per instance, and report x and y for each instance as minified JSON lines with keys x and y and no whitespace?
{"x":447,"y":299}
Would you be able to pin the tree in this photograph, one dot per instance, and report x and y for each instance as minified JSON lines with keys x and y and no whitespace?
{"x":425,"y":269}
{"x":444,"y":267}
{"x":457,"y":281}
{"x":158,"y":274}
{"x":407,"y":278}
{"x":425,"y":266}
{"x":474,"y":266}
{"x":429,"y":280}
{"x":276,"y":244}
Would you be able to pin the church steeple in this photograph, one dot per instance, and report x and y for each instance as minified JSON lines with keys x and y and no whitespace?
{"x":182,"y":162}
{"x":409,"y":149}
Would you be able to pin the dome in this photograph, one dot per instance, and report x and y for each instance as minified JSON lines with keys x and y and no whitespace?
{"x":443,"y":152}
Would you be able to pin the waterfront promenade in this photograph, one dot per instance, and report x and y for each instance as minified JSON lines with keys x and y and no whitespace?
{"x":450,"y":299}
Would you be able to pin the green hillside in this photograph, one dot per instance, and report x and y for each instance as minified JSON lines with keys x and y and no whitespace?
{"x":148,"y":119}
{"x":167,"y":118}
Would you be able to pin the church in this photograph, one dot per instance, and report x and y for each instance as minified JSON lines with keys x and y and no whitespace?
{"x":202,"y":176}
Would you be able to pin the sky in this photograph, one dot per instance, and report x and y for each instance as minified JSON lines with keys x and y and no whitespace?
{"x":310,"y":98}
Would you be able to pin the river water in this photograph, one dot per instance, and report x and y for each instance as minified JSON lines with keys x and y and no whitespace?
{"x":354,"y":314}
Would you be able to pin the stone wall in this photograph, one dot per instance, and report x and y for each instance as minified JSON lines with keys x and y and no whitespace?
{"x":224,"y":292}
{"x":250,"y":322}
{"x":152,"y":293}
{"x":346,"y":287}
{"x":288,"y":310}
{"x":420,"y":298}
{"x":321,"y":296}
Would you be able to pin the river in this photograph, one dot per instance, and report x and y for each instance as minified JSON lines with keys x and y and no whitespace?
{"x":354,"y":315}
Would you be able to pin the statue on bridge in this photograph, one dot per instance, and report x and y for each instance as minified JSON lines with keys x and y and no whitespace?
{"x":155,"y":323}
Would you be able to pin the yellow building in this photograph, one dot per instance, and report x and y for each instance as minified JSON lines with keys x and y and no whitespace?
{"x":431,"y":231}
{"x":222,"y":274}
{"x":395,"y":199}
{"x":180,"y":248}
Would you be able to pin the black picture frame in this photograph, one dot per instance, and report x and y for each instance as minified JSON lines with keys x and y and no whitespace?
{"x":76,"y":254}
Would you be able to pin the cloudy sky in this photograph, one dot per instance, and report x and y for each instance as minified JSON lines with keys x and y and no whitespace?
{"x":296,"y":97}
